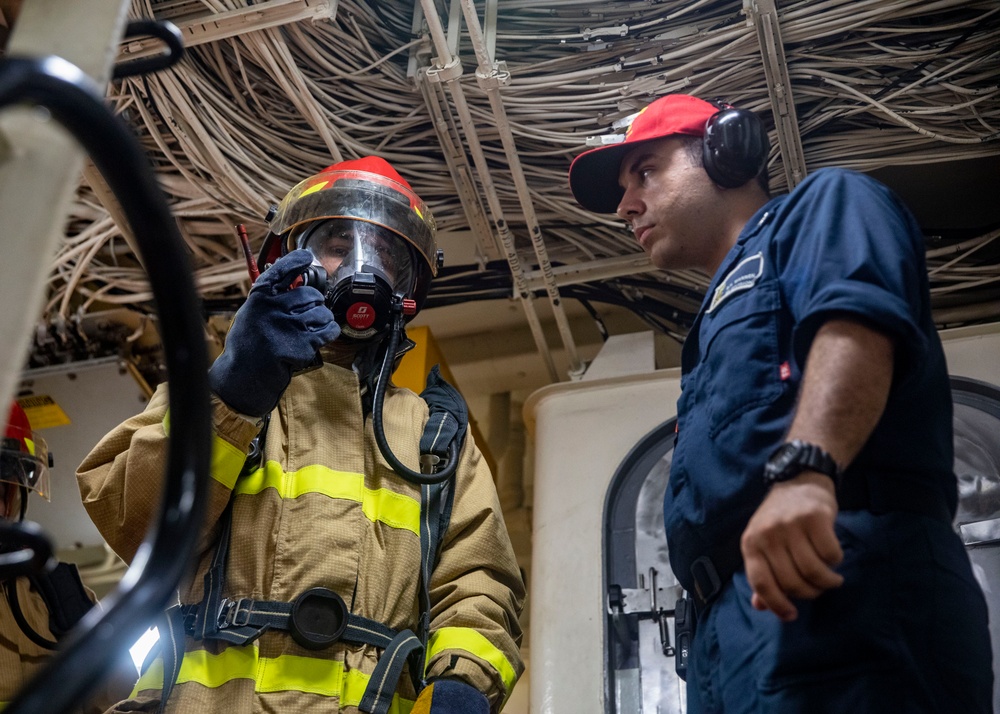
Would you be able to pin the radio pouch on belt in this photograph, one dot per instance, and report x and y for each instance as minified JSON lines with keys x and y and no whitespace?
{"x":684,"y":622}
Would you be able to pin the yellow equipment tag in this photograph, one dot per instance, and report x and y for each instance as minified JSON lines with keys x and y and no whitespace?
{"x":42,"y":411}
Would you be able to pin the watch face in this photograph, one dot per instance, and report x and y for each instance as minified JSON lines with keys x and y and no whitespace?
{"x":783,"y":457}
{"x":795,"y":456}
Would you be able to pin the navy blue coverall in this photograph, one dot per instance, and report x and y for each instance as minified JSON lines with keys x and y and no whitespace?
{"x":907,"y":631}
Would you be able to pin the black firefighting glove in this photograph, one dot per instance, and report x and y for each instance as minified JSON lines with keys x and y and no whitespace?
{"x":449,"y":696}
{"x":275,"y":333}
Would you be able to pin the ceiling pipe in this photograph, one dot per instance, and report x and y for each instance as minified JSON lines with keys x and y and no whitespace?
{"x":490,"y":78}
{"x":449,"y":134}
{"x":447,"y":70}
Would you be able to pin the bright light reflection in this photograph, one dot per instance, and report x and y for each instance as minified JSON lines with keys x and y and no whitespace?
{"x":142,"y":647}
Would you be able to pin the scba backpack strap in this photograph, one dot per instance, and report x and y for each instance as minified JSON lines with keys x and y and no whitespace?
{"x":65,"y":597}
{"x":447,"y":423}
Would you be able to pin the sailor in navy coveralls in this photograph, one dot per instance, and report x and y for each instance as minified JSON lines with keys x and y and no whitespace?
{"x":811,"y":496}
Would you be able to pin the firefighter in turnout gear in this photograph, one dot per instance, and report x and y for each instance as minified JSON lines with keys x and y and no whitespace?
{"x":37,"y":610}
{"x":335,"y":574}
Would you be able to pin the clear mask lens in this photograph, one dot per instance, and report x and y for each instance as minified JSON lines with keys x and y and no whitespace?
{"x":345,"y":247}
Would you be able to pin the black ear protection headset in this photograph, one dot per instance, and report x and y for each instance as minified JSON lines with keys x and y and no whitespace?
{"x":735,"y":146}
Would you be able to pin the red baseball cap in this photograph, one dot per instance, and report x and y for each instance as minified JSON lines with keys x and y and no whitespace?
{"x":593,"y":175}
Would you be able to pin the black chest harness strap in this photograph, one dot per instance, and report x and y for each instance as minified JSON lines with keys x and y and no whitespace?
{"x":319,"y":617}
{"x":65,"y":597}
{"x":316,"y":619}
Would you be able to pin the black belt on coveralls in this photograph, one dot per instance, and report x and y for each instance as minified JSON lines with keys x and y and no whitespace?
{"x":883,"y":495}
{"x":712,"y":571}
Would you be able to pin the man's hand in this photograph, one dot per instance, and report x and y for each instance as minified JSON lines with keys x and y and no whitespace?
{"x":274,"y":334}
{"x":789,"y":545}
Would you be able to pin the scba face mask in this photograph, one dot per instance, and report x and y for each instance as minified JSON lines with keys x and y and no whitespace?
{"x":367,"y":267}
{"x":370,"y":199}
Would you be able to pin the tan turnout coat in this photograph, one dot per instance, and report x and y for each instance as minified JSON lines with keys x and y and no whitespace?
{"x":325,"y":510}
{"x":21,"y":659}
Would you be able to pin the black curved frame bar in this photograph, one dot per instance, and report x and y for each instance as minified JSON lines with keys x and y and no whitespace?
{"x":976,"y":393}
{"x":88,"y":652}
{"x":26,"y":549}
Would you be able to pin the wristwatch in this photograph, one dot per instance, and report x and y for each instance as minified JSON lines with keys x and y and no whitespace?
{"x":793,"y":457}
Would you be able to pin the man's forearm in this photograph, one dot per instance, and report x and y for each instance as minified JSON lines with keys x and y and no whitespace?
{"x":845,"y":388}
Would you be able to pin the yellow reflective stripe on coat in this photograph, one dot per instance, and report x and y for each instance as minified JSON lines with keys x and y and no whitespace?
{"x":286,"y":673}
{"x":379,"y":505}
{"x":227,"y":460}
{"x":474,"y":642}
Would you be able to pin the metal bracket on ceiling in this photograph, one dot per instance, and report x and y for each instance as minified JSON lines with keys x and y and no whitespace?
{"x":498,"y":76}
{"x":453,"y":151}
{"x":487,"y":69}
{"x":452,"y":70}
{"x":763,"y":15}
{"x":598,"y":269}
{"x":436,"y":82}
{"x":471,"y":132}
{"x":260,"y":16}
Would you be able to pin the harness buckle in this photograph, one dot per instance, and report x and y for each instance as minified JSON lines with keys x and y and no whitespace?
{"x":234,"y":613}
{"x":244,"y":606}
{"x":225,"y":612}
{"x":318,"y":618}
{"x":428,"y":463}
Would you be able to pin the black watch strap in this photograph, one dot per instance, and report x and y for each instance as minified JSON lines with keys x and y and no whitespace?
{"x":793,"y":457}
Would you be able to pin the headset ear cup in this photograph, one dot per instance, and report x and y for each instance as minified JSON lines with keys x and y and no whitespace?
{"x":735,"y":147}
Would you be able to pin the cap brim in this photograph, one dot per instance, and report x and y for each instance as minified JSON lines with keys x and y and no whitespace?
{"x":593,"y":177}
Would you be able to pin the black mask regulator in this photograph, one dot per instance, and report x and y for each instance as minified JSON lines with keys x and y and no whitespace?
{"x":361,"y":304}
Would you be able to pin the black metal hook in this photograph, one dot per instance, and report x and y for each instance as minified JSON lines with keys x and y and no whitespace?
{"x":90,"y":649}
{"x":160,"y":29}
